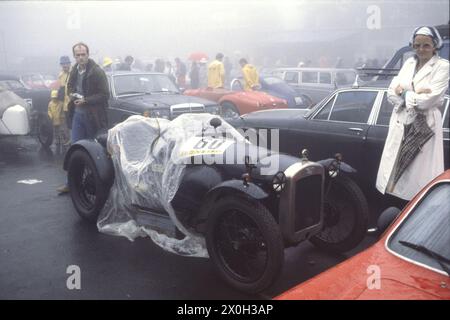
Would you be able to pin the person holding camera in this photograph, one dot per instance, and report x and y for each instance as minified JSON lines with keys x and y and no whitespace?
{"x":88,"y":90}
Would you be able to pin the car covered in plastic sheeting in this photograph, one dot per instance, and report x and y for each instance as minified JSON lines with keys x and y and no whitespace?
{"x":14,"y":114}
{"x":411,"y":261}
{"x":195,"y":183}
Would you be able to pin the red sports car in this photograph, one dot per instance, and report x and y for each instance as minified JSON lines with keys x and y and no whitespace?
{"x":410,"y":261}
{"x":236,"y":103}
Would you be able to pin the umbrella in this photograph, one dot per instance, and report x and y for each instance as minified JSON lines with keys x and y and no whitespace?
{"x":197,"y":56}
{"x":416,"y":135}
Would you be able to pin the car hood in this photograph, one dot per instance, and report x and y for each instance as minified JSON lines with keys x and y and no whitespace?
{"x":271,"y":118}
{"x":354,"y":279}
{"x":163,"y":100}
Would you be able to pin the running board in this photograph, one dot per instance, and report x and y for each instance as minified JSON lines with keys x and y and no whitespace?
{"x":158,"y":221}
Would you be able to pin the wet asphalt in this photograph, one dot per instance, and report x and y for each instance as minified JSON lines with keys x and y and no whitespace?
{"x":41,"y":235}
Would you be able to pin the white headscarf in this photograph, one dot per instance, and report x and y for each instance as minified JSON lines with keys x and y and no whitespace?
{"x":428,"y":31}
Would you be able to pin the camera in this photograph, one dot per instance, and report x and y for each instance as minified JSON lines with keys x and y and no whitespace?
{"x":76,"y":96}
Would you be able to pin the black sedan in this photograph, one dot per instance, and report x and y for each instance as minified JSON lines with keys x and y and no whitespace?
{"x":151,"y":94}
{"x":352,"y":121}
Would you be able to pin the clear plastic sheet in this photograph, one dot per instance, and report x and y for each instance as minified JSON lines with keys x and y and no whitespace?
{"x":149,"y":167}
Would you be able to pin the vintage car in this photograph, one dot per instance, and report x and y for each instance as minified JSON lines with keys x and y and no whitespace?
{"x":352,"y":121}
{"x":38,"y":99}
{"x":14,"y":114}
{"x":277,"y":87}
{"x":411,"y":261}
{"x":237,"y":103}
{"x":197,"y":179}
{"x":316,"y":83}
{"x":151,"y":94}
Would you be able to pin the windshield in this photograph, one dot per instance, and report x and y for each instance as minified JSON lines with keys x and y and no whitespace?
{"x":143,"y":83}
{"x":428,"y":226}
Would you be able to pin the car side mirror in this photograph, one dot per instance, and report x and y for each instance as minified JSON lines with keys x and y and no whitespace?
{"x":386,"y":218}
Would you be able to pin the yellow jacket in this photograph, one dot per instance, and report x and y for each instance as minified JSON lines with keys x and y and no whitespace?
{"x":62,"y":79}
{"x":216,"y":74}
{"x":251,"y":77}
{"x":55,"y":112}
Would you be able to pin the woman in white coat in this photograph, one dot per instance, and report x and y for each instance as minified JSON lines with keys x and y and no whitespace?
{"x":419,"y":88}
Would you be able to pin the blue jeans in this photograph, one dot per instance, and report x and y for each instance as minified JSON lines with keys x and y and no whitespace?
{"x":82,"y":127}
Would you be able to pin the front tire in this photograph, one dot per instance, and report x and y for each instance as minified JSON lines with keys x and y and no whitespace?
{"x":86,"y":189}
{"x":346,"y":215}
{"x":244,"y":243}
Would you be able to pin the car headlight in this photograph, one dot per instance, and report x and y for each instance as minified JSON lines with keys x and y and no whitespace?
{"x":213,"y":109}
{"x":160,"y":113}
{"x":279,"y":182}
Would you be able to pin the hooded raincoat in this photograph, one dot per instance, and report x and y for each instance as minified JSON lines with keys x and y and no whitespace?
{"x":251,"y":77}
{"x":216,"y":74}
{"x":429,"y":162}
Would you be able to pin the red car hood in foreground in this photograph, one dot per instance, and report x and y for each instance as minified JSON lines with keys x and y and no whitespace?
{"x":245,"y":101}
{"x":398,"y":278}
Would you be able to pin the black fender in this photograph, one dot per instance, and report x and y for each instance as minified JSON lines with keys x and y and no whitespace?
{"x":250,"y":189}
{"x":345,"y":167}
{"x":98,"y":154}
{"x":222,"y":189}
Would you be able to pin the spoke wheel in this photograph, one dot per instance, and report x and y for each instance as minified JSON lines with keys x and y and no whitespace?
{"x":346,"y":215}
{"x":244,"y":243}
{"x":87,"y":191}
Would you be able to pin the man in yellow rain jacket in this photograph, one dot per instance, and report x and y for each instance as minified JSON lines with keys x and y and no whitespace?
{"x":216,"y":72}
{"x":56,"y":115}
{"x":64,"y":61}
{"x":251,"y":78}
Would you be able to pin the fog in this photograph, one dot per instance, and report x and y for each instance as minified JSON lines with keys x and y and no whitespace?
{"x":33,"y":34}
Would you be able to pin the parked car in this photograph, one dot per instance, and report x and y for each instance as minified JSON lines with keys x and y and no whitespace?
{"x":399,"y":57}
{"x":151,"y":94}
{"x":411,"y":261}
{"x":393,"y":65}
{"x":352,"y":121}
{"x":40,"y":81}
{"x":179,"y":175}
{"x":316,"y":83}
{"x":277,"y":87}
{"x":234,"y":103}
{"x":14,"y":114}
{"x":38,"y":99}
